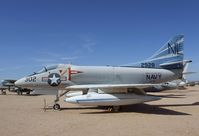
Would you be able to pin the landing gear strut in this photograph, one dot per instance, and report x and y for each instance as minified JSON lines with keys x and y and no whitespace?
{"x":19,"y":92}
{"x":56,"y":106}
{"x":3,"y":92}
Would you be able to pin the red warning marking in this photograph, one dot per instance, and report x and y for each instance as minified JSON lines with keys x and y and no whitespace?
{"x":70,"y":72}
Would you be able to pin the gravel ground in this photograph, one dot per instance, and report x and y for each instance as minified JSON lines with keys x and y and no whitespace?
{"x":177,"y":114}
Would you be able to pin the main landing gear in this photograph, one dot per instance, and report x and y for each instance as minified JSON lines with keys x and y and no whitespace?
{"x":3,"y":92}
{"x":114,"y":108}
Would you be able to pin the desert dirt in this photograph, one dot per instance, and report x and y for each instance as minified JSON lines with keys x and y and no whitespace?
{"x":177,"y":114}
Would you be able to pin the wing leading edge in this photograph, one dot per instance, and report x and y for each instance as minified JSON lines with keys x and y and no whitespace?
{"x":108,"y":86}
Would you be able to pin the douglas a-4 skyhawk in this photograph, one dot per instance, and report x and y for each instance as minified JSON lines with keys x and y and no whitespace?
{"x":107,"y":85}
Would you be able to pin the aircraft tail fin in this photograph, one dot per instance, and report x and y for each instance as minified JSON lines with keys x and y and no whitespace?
{"x":185,"y":70}
{"x":174,"y":47}
{"x":170,"y":56}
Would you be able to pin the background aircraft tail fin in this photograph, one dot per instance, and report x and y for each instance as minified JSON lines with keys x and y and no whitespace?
{"x":186,"y":65}
{"x":185,"y":70}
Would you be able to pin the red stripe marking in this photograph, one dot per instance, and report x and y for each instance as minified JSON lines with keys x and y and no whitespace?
{"x":70,"y":72}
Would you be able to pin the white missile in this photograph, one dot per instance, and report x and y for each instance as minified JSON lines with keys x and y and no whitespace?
{"x":96,"y":99}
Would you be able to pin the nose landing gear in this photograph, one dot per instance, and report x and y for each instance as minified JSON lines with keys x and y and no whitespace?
{"x":56,"y":107}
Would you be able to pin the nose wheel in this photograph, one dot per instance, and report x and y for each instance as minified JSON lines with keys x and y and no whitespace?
{"x":56,"y":107}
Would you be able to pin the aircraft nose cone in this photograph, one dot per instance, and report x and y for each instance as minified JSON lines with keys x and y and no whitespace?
{"x":20,"y":82}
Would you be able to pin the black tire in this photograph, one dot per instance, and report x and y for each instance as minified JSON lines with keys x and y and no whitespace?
{"x":116,"y":108}
{"x":28,"y":92}
{"x":56,"y":107}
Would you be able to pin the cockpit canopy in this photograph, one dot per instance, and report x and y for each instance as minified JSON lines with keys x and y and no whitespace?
{"x":47,"y":68}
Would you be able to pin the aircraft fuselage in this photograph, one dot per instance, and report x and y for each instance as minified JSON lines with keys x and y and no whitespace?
{"x":66,"y":75}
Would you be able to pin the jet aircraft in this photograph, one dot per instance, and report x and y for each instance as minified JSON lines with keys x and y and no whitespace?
{"x":6,"y":85}
{"x":107,"y":85}
{"x":9,"y":84}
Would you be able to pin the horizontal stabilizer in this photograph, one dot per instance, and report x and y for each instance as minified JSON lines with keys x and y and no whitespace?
{"x":172,"y":65}
{"x":188,"y":73}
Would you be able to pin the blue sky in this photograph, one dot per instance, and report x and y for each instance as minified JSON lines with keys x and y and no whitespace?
{"x":35,"y":33}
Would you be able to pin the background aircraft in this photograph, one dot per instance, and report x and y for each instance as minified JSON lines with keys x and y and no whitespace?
{"x":122,"y":85}
{"x":9,"y":85}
